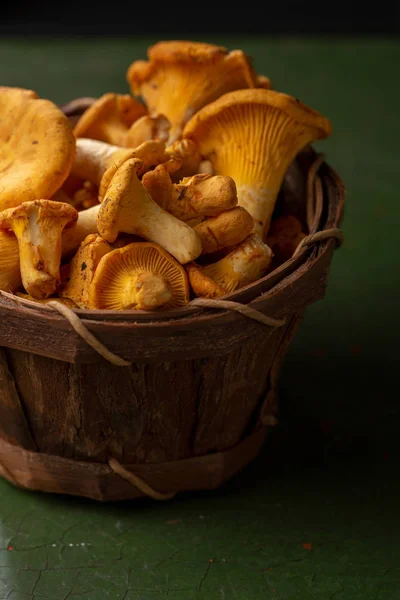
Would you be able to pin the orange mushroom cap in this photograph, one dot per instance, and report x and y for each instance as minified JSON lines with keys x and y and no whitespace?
{"x":182,"y":76}
{"x":37,"y":147}
{"x":109,"y":118}
{"x":253,"y":135}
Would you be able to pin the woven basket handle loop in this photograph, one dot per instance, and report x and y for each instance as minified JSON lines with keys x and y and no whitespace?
{"x":138,"y":482}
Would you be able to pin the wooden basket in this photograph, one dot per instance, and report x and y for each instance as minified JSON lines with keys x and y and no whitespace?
{"x":196,"y":403}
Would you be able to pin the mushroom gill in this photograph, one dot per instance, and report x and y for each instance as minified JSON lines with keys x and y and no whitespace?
{"x":253,"y":135}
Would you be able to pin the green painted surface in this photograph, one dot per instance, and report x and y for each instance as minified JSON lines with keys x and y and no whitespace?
{"x":327,"y":477}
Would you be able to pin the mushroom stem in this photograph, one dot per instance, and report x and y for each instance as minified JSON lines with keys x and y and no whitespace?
{"x":93,"y":158}
{"x":146,"y":291}
{"x":72,"y":236}
{"x":128,"y":208}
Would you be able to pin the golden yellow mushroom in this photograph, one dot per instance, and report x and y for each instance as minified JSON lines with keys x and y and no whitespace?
{"x":229,"y":228}
{"x":128,"y":208}
{"x":246,"y":263}
{"x":181,"y":77}
{"x":202,"y":285}
{"x":140,"y":276}
{"x":72,"y":236}
{"x":253,"y":136}
{"x":109,"y":118}
{"x":197,"y":196}
{"x":37,"y":147}
{"x":10,"y":273}
{"x":187,"y":152}
{"x":82,"y":269}
{"x":38,"y":227}
{"x":98,"y":161}
{"x":147,"y":128}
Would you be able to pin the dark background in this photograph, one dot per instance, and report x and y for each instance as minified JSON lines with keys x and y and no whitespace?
{"x":282,"y":17}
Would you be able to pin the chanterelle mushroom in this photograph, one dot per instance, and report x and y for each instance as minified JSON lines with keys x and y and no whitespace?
{"x":246,"y":263}
{"x":10,"y":273}
{"x":38,"y":227}
{"x":181,"y":76}
{"x":147,"y":128}
{"x":37,"y":147}
{"x":200,"y":195}
{"x":229,"y":228}
{"x":140,"y":276}
{"x":98,"y":161}
{"x":82,"y":269}
{"x":110,"y":118}
{"x":128,"y":208}
{"x":253,"y":136}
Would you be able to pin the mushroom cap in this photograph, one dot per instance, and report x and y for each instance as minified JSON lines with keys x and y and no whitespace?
{"x":82,"y":269}
{"x":147,"y":128}
{"x":109,"y":118}
{"x":228,"y":228}
{"x":182,"y":76}
{"x":117,"y":268}
{"x":202,"y":285}
{"x":37,"y":147}
{"x":253,"y":135}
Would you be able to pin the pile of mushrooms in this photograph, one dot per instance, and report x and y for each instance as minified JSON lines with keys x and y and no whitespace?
{"x":156,"y":196}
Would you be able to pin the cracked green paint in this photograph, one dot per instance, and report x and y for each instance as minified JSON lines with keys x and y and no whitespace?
{"x":244,"y":542}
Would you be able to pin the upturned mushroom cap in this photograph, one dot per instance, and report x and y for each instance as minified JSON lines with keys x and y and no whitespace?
{"x":243,"y":265}
{"x":38,"y":227}
{"x":229,"y":228}
{"x":147,"y":128}
{"x":37,"y":147}
{"x":140,"y":276}
{"x":10,"y":273}
{"x":253,"y":136}
{"x":109,"y":118}
{"x":197,"y":196}
{"x":181,"y":77}
{"x":128,"y":208}
{"x":82,"y":269}
{"x":202,"y":285}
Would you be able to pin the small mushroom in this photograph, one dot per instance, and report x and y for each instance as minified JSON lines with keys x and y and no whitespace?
{"x":38,"y":227}
{"x":253,"y":136}
{"x":147,"y":128}
{"x":229,"y":228}
{"x":181,"y":77}
{"x":202,"y":285}
{"x":37,"y":147}
{"x":86,"y":196}
{"x":246,"y":263}
{"x":128,"y":208}
{"x":190,"y":158}
{"x":200,"y":195}
{"x":109,"y":118}
{"x":10,"y":273}
{"x":284,"y":235}
{"x":140,"y":276}
{"x":82,"y":269}
{"x":98,"y":161}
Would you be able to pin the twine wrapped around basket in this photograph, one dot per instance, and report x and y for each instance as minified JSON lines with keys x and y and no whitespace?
{"x":115,"y":405}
